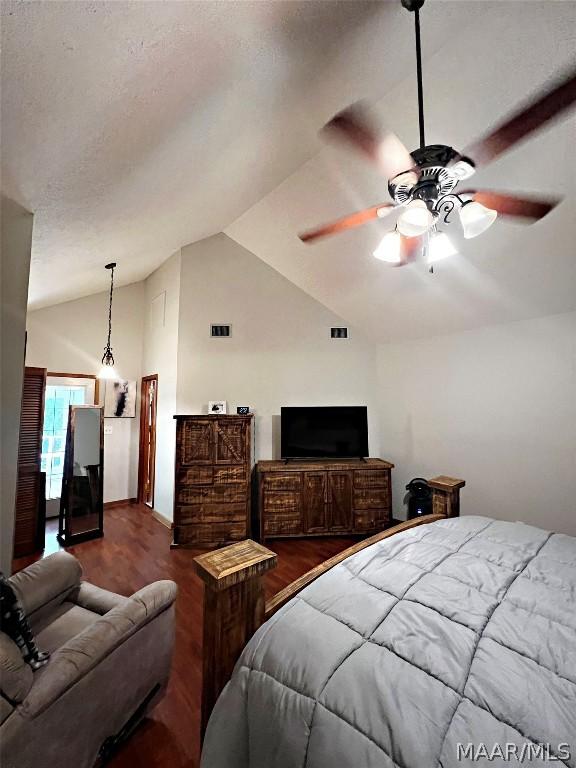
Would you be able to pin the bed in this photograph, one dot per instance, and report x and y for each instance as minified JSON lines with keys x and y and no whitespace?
{"x":446,"y":644}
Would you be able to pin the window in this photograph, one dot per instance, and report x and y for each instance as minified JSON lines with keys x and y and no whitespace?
{"x":57,"y":400}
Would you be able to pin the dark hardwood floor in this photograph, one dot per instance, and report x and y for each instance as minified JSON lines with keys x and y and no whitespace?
{"x":134,"y":552}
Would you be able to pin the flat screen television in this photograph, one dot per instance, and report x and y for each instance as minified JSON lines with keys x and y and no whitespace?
{"x":333,"y":432}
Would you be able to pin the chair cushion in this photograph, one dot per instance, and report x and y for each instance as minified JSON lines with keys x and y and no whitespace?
{"x":47,"y":582}
{"x":64,"y":622}
{"x":15,"y":675}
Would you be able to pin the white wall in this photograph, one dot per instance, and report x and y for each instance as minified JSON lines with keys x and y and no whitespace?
{"x":16,"y":241}
{"x":160,"y":355}
{"x":70,"y":338}
{"x":496,"y":407}
{"x":280,"y":352}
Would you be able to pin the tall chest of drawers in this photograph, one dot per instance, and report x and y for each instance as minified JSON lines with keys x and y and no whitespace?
{"x":212,"y":480}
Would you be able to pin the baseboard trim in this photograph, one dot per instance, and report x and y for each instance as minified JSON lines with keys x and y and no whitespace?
{"x":161,"y":519}
{"x":119,"y":503}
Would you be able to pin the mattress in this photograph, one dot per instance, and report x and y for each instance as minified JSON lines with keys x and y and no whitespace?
{"x":448,"y":645}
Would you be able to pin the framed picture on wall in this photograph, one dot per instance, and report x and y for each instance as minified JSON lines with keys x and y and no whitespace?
{"x":120,"y":399}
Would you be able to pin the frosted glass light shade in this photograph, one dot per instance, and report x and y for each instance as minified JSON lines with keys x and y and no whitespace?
{"x":415,"y":219}
{"x":440,"y":248}
{"x":390,"y":248}
{"x":476,"y":218}
{"x":108,"y":373}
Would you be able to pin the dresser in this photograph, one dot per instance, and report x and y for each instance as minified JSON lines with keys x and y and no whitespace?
{"x":323,"y":498}
{"x":212,"y":480}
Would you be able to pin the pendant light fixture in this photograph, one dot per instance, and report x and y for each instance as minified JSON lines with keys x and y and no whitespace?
{"x":107,"y":371}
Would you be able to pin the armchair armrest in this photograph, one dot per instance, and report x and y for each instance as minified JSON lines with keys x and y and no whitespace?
{"x":96,"y":599}
{"x":82,"y":653}
{"x":47,"y":580}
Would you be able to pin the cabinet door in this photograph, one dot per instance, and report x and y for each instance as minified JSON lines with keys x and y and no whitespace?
{"x":231,"y":441}
{"x":340,"y":496}
{"x":196,"y":441}
{"x":316,"y":501}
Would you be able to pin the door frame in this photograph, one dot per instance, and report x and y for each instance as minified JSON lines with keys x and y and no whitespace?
{"x":51,"y":374}
{"x":141,"y":443}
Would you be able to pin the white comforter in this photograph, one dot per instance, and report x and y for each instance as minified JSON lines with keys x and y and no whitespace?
{"x":453,"y":644}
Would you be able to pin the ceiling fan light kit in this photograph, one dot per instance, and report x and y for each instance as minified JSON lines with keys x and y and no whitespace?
{"x":439,"y":247}
{"x":416,"y":219}
{"x":390,"y":248}
{"x":476,"y":218}
{"x":425,"y":191}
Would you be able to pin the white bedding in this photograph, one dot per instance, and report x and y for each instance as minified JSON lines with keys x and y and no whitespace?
{"x":460,"y":632}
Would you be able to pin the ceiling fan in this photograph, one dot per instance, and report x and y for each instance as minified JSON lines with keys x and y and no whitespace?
{"x":422,"y":183}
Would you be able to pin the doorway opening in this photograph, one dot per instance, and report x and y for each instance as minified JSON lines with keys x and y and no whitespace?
{"x":147,"y":458}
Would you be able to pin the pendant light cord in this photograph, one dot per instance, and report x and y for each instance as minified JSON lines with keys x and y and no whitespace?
{"x":108,"y":357}
{"x":419,"y":78}
{"x":110,"y":307}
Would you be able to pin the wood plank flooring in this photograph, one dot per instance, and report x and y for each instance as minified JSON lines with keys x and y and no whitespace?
{"x":134,"y":552}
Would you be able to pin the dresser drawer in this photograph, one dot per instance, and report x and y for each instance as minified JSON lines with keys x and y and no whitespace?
{"x":214,"y":534}
{"x":377,"y":478}
{"x":211,"y":513}
{"x":291,"y":481}
{"x":370,"y":498}
{"x":282,"y":502}
{"x":365,"y":521}
{"x":214,"y":494}
{"x":283,"y":526}
{"x":195,"y":476}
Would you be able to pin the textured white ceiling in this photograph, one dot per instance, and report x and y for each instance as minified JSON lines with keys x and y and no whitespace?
{"x":133,"y":128}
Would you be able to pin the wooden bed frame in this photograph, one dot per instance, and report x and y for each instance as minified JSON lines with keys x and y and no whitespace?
{"x":234,"y":603}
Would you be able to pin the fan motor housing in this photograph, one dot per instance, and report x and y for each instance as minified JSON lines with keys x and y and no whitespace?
{"x":439,"y":169}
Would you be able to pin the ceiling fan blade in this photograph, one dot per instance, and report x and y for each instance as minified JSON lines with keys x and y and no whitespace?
{"x":528,"y":119}
{"x":347,"y":222}
{"x":355,"y":126}
{"x":512,"y":205}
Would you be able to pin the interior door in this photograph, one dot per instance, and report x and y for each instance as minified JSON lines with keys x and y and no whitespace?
{"x":147,"y":461}
{"x":316,"y":501}
{"x":340,"y":501}
{"x":30,"y":508}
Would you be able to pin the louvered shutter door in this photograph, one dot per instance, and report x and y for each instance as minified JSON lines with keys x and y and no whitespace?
{"x":30,"y":488}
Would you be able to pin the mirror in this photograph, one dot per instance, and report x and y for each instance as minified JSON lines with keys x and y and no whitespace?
{"x":81,"y":503}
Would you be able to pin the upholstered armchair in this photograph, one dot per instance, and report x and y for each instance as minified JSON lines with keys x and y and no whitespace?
{"x":110,"y":663}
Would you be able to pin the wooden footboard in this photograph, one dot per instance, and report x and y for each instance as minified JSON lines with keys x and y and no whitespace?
{"x":234,"y":605}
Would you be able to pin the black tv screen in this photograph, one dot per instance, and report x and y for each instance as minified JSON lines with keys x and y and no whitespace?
{"x":335,"y":432}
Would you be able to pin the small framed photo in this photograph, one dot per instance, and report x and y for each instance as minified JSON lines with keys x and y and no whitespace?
{"x":217,"y":406}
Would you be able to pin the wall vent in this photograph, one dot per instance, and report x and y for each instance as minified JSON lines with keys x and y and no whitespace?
{"x":339,"y":333}
{"x":221,"y":331}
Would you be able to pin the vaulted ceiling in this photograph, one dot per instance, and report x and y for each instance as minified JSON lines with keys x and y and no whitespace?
{"x":131,"y":129}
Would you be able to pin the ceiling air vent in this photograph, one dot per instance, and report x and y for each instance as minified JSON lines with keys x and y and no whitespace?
{"x":220,"y":331}
{"x":339,"y":333}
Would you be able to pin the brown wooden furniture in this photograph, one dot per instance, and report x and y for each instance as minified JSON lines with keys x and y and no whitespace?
{"x":233,"y":592}
{"x":446,"y":495}
{"x":323,"y":498}
{"x":30,"y":506}
{"x":213,"y":476}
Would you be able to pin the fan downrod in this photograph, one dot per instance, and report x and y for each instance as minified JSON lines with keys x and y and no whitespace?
{"x":412,"y":5}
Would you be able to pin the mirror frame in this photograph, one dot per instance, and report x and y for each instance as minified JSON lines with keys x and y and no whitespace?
{"x":66,"y":536}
